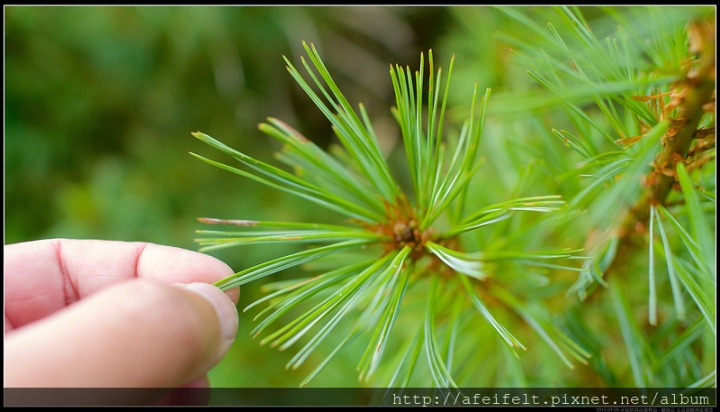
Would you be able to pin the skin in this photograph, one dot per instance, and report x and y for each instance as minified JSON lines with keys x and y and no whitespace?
{"x":93,"y":313}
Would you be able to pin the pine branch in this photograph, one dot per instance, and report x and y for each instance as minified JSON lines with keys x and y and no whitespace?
{"x":690,"y":97}
{"x":411,"y":246}
{"x":424,"y":262}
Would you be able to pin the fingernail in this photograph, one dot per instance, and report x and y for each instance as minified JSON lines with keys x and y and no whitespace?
{"x":224,"y":306}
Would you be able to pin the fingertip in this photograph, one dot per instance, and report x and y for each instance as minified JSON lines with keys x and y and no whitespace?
{"x":177,"y":265}
{"x":224,"y":308}
{"x":234,"y":294}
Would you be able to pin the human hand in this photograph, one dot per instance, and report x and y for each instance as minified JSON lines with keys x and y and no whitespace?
{"x":93,"y":313}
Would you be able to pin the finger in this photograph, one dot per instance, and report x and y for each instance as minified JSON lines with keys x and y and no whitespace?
{"x":140,"y":333}
{"x":44,"y":276}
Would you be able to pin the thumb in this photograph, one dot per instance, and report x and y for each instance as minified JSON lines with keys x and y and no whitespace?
{"x":139,"y":333}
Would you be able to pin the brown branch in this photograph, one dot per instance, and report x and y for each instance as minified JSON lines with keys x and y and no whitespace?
{"x":690,"y":98}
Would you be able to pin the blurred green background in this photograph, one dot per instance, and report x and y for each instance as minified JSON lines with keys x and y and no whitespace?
{"x":100,"y":102}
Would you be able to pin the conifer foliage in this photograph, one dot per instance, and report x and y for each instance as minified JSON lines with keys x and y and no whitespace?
{"x":440,"y":284}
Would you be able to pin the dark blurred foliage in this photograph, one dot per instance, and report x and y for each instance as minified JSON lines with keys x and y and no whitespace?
{"x":100,"y":102}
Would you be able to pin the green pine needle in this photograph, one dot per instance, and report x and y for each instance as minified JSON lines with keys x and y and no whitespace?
{"x":449,"y":267}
